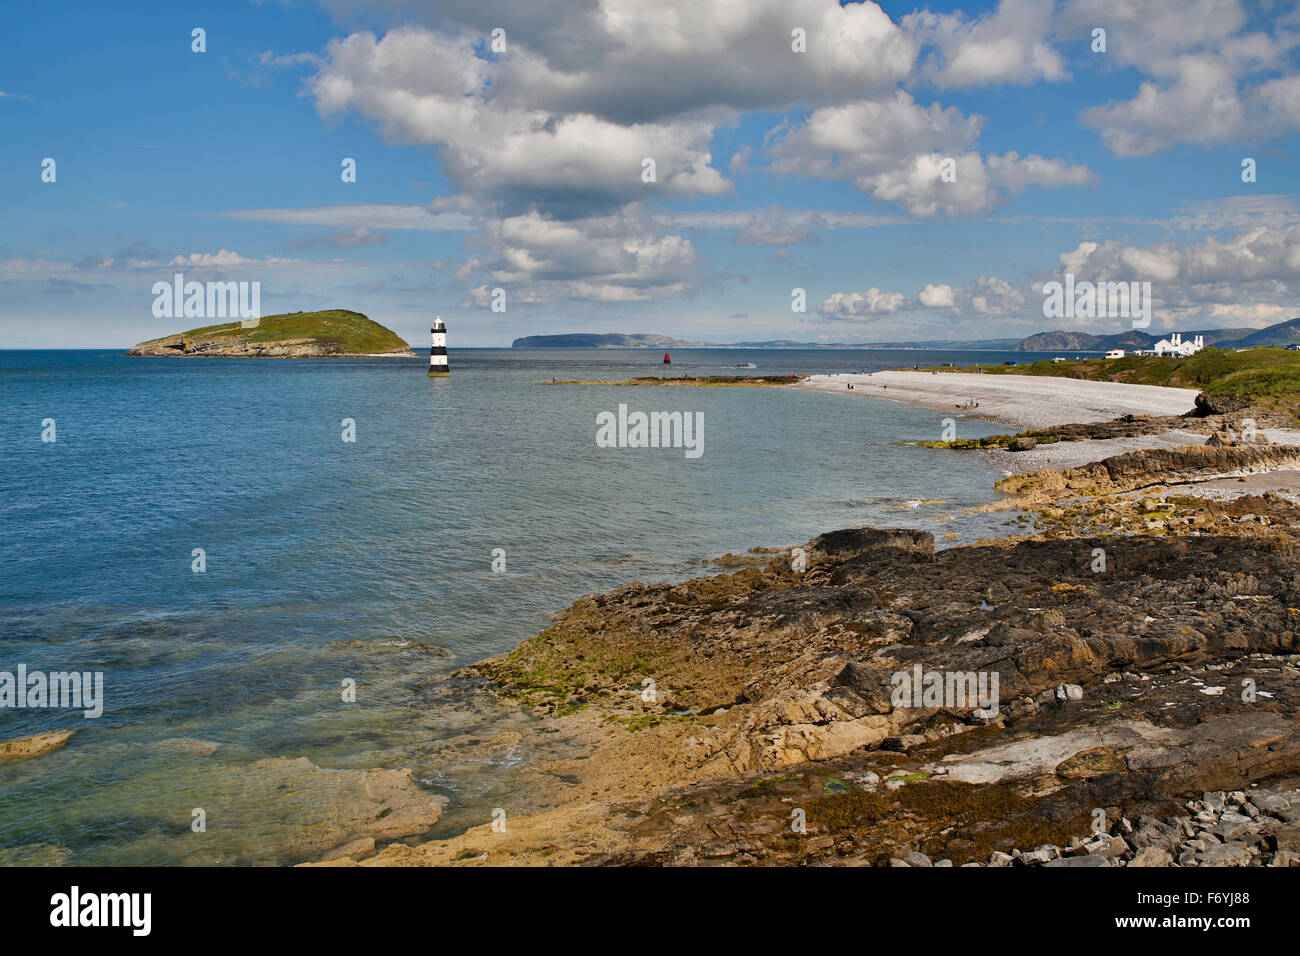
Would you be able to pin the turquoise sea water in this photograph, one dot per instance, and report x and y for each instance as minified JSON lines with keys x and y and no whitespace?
{"x":372,"y":560}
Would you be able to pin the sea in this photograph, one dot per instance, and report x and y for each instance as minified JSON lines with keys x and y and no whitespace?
{"x":231,"y":543}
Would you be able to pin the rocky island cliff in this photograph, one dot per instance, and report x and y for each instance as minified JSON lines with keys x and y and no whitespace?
{"x":334,"y":333}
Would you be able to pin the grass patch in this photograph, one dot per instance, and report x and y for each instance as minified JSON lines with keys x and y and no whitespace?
{"x":1255,"y":375}
{"x":336,"y":330}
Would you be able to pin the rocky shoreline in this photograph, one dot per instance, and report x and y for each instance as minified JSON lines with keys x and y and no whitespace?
{"x":178,"y":346}
{"x":1144,"y":645}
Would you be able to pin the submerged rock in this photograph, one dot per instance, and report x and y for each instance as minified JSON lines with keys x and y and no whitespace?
{"x":33,"y":746}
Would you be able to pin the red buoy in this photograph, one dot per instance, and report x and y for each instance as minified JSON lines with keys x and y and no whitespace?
{"x":668,"y":359}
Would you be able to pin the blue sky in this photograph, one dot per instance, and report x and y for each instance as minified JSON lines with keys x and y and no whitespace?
{"x":521,"y":169}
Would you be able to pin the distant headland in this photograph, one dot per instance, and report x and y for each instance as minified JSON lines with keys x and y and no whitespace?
{"x":334,"y":333}
{"x":1281,"y":334}
{"x":588,"y":340}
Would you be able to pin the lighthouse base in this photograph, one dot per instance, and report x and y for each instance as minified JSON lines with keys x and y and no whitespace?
{"x":439,"y":374}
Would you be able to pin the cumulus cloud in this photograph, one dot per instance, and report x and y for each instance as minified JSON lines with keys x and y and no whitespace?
{"x":986,"y":297}
{"x":1250,"y":256}
{"x":895,"y":150}
{"x":940,"y":296}
{"x":640,"y":61}
{"x":1009,"y":45}
{"x":1208,"y":80}
{"x":617,"y":258}
{"x":543,"y":144}
{"x":221,"y":258}
{"x":563,"y":121}
{"x":1250,"y":279}
{"x":1152,"y":34}
{"x":422,"y":87}
{"x":557,"y":127}
{"x":861,"y":305}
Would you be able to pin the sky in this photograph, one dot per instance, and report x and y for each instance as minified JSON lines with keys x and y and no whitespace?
{"x":917,"y":172}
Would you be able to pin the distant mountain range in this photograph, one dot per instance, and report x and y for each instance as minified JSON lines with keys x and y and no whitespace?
{"x":1283,"y":333}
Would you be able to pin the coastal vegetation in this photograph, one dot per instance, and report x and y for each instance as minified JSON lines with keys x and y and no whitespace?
{"x":332,"y":332}
{"x":1257,"y":374}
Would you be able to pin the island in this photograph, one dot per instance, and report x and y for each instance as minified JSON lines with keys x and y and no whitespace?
{"x":334,"y":333}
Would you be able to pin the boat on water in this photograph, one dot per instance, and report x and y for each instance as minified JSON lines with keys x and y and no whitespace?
{"x":746,"y":365}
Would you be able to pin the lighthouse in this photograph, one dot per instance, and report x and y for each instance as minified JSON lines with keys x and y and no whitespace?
{"x":438,"y":349}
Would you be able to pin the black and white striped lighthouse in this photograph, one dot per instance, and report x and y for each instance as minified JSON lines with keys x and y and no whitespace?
{"x":438,"y":349}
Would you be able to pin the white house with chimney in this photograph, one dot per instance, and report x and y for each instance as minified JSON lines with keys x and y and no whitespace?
{"x":1175,"y":347}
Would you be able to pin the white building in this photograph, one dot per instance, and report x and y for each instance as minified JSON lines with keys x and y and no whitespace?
{"x":1115,"y":353}
{"x":1175,"y":347}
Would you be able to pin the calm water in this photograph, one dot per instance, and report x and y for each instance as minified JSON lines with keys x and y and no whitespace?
{"x":372,"y":560}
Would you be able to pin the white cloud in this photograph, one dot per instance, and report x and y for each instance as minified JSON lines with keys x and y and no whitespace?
{"x":1009,"y":45}
{"x":940,"y":296}
{"x":616,"y":258}
{"x":1206,"y":78}
{"x":860,"y":305}
{"x":422,"y":87}
{"x":895,"y":151}
{"x":639,"y":61}
{"x":1250,"y":256}
{"x":1251,"y":279}
{"x":1151,"y":34}
{"x":221,"y":259}
{"x":986,"y":297}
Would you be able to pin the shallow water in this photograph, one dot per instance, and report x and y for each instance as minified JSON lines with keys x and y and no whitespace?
{"x":372,"y":561}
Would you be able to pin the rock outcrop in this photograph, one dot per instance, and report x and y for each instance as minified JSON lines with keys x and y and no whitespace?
{"x":1141,"y":469}
{"x":1119,"y":689}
